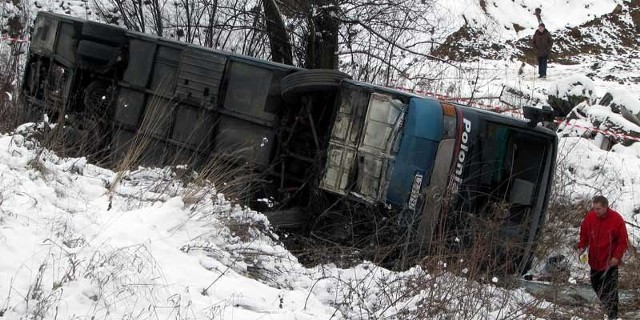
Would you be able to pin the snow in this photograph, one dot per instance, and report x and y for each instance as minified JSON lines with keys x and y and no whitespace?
{"x":56,"y":227}
{"x":76,"y":243}
{"x":501,"y":15}
{"x":583,"y":171}
{"x":627,"y":98}
{"x":575,"y":85}
{"x":66,"y":253}
{"x":592,"y":171}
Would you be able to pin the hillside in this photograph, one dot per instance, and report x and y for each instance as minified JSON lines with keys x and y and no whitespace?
{"x":581,"y":29}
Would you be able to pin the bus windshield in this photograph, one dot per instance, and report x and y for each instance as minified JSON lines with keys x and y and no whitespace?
{"x":501,"y":184}
{"x":504,"y":165}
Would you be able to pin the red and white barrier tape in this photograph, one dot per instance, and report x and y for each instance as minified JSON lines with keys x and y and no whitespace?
{"x":444,"y":97}
{"x":604,"y":132}
{"x":14,"y":40}
{"x":517,"y":111}
{"x":470,"y":101}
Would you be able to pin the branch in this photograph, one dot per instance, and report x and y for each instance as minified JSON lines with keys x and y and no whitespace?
{"x":393,"y":43}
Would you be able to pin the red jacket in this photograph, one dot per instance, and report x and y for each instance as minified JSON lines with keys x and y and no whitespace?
{"x":606,"y":238}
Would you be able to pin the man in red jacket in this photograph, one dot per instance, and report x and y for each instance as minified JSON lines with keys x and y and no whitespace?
{"x":604,"y":232}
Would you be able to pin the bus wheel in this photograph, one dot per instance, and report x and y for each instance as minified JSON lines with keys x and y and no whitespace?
{"x":97,"y":97}
{"x":310,"y":81}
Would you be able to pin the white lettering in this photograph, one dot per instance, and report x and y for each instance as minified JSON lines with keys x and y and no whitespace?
{"x":462,"y":156}
{"x":415,"y":190}
{"x":467,"y":125}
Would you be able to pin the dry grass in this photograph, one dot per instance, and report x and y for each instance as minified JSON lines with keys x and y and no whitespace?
{"x":198,"y":168}
{"x":226,"y":176}
{"x":136,"y":148}
{"x":10,"y":76}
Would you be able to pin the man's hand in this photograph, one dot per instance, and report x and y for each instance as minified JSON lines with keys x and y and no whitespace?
{"x":613,"y":262}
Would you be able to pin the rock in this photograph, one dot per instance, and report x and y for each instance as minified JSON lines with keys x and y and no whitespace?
{"x":623,"y":103}
{"x":606,"y":99}
{"x":556,"y":266}
{"x":567,"y":93}
{"x":629,"y":115}
{"x":518,"y":98}
{"x":561,"y":106}
{"x":16,"y":26}
{"x":601,"y":124}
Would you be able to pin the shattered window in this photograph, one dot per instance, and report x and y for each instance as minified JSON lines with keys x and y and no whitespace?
{"x":384,"y":114}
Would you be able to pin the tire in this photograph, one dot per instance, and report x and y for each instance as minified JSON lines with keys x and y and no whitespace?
{"x":97,"y":98}
{"x":91,"y":53}
{"x":103,"y":33}
{"x":312,"y":81}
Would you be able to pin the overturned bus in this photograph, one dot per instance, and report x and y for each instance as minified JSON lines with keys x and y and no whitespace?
{"x":332,"y":156}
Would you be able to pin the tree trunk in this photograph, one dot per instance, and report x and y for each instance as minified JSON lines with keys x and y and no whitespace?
{"x":322,"y":40}
{"x":277,"y":33}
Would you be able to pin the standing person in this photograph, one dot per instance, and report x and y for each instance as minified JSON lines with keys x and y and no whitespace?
{"x":542,"y":43}
{"x":537,"y":13}
{"x":604,"y":232}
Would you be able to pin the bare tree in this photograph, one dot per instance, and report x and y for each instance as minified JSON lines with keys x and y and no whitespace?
{"x":155,"y":8}
{"x":383,"y":39}
{"x":378,"y":41}
{"x":322,"y":38}
{"x":138,"y":15}
{"x":277,"y":33}
{"x":374,"y":40}
{"x":12,"y":50}
{"x":211,"y":8}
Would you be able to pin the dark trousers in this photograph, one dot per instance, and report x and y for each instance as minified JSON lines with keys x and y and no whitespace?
{"x":542,"y":66}
{"x":605,"y":284}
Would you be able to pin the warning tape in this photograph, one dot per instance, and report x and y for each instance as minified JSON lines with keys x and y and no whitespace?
{"x":616,"y":135}
{"x":14,"y":40}
{"x":494,"y":108}
{"x":469,"y":101}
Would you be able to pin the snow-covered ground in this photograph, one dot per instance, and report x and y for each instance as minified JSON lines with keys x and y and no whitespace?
{"x":76,"y":243}
{"x":79,"y":241}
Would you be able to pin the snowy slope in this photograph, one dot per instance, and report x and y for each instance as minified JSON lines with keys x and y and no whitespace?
{"x":75,"y":243}
{"x":78,"y":244}
{"x":500,"y":16}
{"x":614,"y":174}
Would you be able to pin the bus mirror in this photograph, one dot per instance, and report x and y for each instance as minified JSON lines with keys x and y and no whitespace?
{"x":535,"y":115}
{"x":548,"y":114}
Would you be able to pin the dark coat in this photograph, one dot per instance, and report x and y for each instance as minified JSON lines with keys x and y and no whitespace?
{"x":542,"y":43}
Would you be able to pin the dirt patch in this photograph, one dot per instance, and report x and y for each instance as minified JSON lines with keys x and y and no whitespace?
{"x":517,"y":27}
{"x":483,"y":6}
{"x":634,"y":12}
{"x":469,"y":44}
{"x":613,"y":33}
{"x":455,"y":46}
